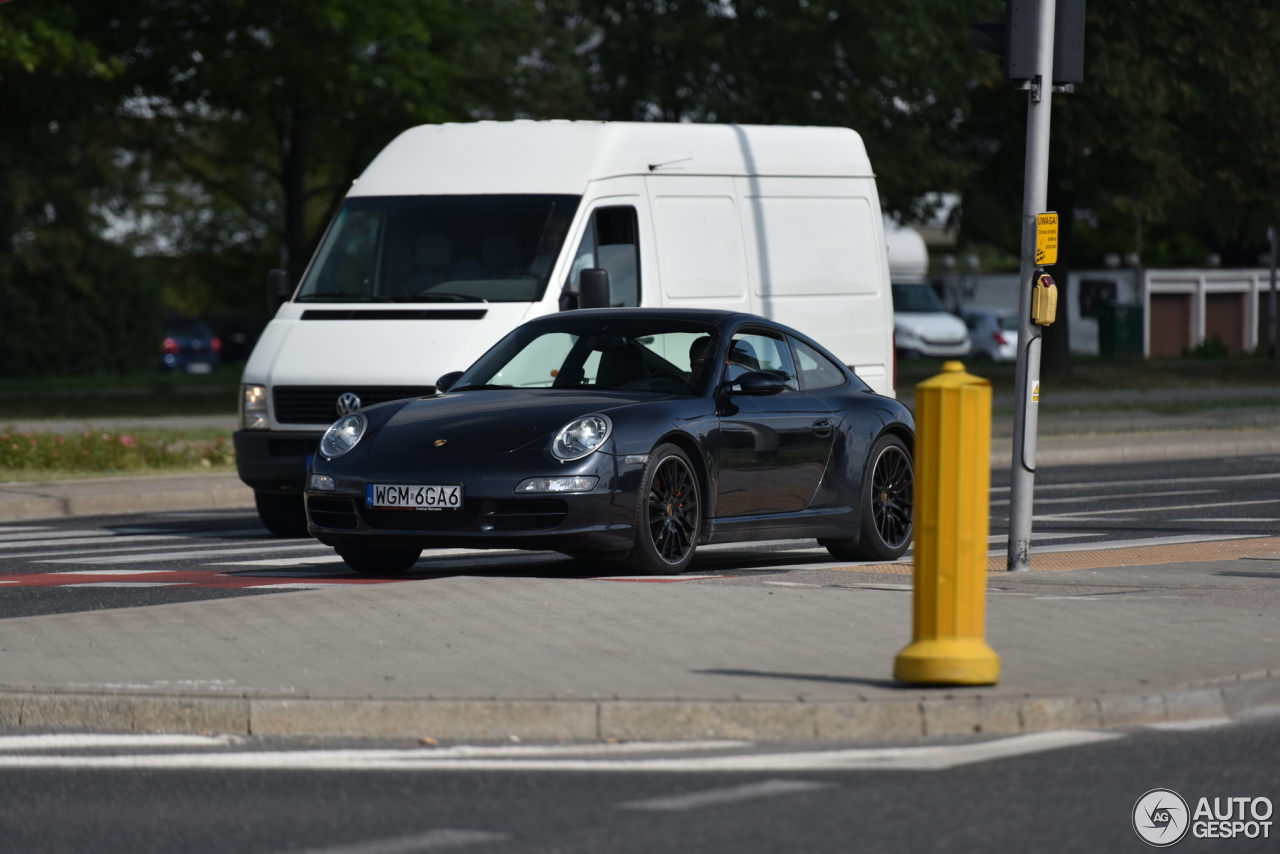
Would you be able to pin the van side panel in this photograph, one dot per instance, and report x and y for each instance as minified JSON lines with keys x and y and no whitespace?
{"x":702,"y":259}
{"x":817,"y":264}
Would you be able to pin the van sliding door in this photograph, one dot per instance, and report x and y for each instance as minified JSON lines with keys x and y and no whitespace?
{"x":702,"y":261}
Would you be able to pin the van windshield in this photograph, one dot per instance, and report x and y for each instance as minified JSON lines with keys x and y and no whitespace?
{"x":497,"y":248}
{"x":917,"y":298}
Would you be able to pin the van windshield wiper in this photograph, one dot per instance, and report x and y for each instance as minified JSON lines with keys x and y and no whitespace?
{"x":479,"y":387}
{"x":340,"y":296}
{"x":435,"y":296}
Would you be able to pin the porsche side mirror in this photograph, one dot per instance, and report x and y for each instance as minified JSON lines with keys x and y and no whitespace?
{"x":593,"y":288}
{"x":446,"y":382}
{"x":278,"y":289}
{"x":756,"y":384}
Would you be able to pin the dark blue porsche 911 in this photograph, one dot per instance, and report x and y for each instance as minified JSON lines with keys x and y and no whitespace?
{"x":630,"y":434}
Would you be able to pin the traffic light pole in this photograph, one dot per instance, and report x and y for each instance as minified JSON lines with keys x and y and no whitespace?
{"x":1027,"y":385}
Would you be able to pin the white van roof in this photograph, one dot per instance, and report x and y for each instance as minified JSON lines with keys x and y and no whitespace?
{"x":562,"y":156}
{"x":908,"y":255}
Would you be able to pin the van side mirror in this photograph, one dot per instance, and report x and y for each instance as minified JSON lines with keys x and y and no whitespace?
{"x":593,"y":288}
{"x":446,"y":382}
{"x":756,"y":384}
{"x":278,"y":289}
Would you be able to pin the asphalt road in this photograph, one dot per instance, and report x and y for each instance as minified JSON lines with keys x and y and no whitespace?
{"x":115,"y":562}
{"x":1017,"y":794}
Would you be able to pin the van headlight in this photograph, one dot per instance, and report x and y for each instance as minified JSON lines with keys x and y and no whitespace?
{"x":580,"y":437}
{"x":253,"y":407}
{"x":343,"y":435}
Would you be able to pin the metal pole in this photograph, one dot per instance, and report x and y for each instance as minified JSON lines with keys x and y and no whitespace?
{"x":1271,"y":302}
{"x":1027,"y":385}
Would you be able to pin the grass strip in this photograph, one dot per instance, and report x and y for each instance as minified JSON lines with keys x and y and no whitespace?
{"x":28,"y":455}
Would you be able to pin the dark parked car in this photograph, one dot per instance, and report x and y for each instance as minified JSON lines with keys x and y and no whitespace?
{"x":634,"y":434}
{"x":189,"y":345}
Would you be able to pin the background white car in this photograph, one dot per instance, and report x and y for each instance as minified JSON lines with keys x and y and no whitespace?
{"x":994,"y":332}
{"x":923,"y":328}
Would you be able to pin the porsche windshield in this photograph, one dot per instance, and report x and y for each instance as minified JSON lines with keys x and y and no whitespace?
{"x":667,"y":356}
{"x":496,"y":248}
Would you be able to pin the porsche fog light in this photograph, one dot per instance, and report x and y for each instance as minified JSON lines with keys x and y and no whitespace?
{"x":322,"y":483}
{"x":343,"y":435}
{"x":581,"y":436}
{"x":558,"y":484}
{"x":253,"y":407}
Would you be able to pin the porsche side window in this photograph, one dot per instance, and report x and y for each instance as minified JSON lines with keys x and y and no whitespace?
{"x":610,"y":242}
{"x":754,"y":352}
{"x":816,"y":370}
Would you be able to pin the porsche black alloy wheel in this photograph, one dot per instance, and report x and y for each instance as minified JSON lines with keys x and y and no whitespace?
{"x":668,"y":515}
{"x":888,"y":491}
{"x":379,"y":562}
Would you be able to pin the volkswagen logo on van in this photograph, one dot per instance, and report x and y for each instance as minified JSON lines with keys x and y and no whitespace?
{"x":348,"y":403}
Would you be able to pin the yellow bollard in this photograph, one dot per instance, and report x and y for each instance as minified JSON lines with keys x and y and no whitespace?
{"x":953,"y":479}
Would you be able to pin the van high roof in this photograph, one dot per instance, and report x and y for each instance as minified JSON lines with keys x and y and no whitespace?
{"x":560,"y":157}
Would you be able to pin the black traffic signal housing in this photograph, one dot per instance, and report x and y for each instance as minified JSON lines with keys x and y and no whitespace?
{"x":1015,"y":40}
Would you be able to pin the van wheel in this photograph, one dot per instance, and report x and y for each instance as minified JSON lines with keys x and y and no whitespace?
{"x":888,"y":490}
{"x":379,"y":562}
{"x":282,"y":515}
{"x":668,"y":514}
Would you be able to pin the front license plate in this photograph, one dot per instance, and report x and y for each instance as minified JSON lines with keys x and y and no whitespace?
{"x":414,"y":497}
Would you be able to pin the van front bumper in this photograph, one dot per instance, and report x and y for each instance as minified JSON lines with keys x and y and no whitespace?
{"x":275,"y":460}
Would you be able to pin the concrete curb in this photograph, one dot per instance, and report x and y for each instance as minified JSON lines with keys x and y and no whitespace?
{"x":116,"y":496}
{"x":592,"y":720}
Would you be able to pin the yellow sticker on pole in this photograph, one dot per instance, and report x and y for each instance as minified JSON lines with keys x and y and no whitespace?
{"x":1047,"y":238}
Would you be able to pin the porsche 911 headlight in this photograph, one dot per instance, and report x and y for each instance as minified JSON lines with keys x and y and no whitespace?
{"x":343,"y":435}
{"x":581,"y":436}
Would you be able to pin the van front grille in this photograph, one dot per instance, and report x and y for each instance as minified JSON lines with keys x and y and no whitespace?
{"x":318,"y":404}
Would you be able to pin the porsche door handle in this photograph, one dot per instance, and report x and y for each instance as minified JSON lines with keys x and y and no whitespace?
{"x":822,"y":428}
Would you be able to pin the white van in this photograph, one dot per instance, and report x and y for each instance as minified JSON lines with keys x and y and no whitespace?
{"x":457,"y":233}
{"x":923,"y":327}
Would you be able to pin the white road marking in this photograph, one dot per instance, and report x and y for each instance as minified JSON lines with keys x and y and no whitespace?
{"x":286,"y":586}
{"x":135,"y":549}
{"x":444,"y":837}
{"x":78,"y":741}
{"x":282,"y":561}
{"x":105,"y":540}
{"x":1186,"y":726}
{"x":929,"y":758}
{"x":127,"y":584}
{"x":653,"y":577}
{"x":1158,"y":509}
{"x":13,"y":535}
{"x":999,"y":538}
{"x":185,"y":555}
{"x":1107,"y":497}
{"x":1094,"y":484}
{"x":113,"y":571}
{"x":727,"y":795}
{"x":13,"y":529}
{"x":1246,"y":519}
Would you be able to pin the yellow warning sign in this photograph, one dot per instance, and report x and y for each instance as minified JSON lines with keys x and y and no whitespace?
{"x":1047,"y":238}
{"x":1035,"y":392}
